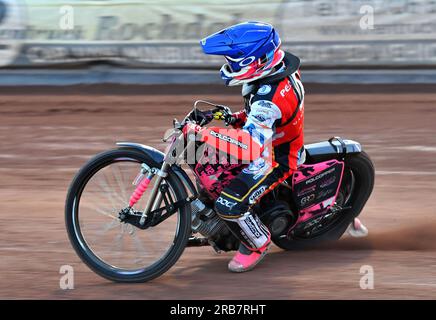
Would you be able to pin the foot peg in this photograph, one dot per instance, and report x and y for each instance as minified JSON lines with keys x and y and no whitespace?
{"x":357,"y":229}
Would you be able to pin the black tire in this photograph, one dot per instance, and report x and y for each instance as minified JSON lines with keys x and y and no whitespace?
{"x":364,"y":174}
{"x":76,"y":238}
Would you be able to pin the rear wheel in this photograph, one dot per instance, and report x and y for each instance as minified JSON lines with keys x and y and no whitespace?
{"x":114,"y":249}
{"x":356,"y":187}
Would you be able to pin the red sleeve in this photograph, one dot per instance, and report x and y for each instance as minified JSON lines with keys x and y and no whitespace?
{"x":241,"y":117}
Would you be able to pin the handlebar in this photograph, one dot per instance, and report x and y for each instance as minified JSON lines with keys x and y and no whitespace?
{"x":216,"y":108}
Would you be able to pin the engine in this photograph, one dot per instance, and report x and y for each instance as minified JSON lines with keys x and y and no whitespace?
{"x":206,"y":222}
{"x":278,"y":217}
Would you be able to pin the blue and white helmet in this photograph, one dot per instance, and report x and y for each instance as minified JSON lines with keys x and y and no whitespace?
{"x":251,"y":49}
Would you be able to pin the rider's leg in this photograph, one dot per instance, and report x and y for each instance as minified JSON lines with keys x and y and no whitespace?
{"x":233,"y":206}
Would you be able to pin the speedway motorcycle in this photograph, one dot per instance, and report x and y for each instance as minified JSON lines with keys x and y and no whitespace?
{"x":131,"y":211}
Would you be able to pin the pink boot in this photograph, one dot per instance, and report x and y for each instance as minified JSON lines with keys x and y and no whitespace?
{"x":246,"y":259}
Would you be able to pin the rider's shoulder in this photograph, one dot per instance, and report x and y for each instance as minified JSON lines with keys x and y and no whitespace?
{"x":263,"y":97}
{"x":265,"y":91}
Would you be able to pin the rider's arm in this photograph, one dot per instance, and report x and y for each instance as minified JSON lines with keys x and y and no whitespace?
{"x":255,"y":136}
{"x":260,"y":123}
{"x":250,"y":142}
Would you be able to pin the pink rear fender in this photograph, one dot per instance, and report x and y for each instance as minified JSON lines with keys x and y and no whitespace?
{"x":316,"y":186}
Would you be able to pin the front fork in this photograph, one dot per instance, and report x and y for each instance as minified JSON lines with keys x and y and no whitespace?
{"x":156,"y":194}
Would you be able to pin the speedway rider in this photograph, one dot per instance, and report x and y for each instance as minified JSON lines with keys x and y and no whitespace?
{"x":273,"y":115}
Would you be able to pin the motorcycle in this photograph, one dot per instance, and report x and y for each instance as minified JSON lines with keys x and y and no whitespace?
{"x":130,"y":212}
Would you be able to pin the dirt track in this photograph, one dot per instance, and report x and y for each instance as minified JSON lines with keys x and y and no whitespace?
{"x":46,"y":137}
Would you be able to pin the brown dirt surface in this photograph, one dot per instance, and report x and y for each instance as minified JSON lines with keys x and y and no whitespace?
{"x":47,"y":135}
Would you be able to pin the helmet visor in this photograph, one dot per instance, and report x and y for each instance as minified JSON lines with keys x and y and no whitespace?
{"x":233,"y":64}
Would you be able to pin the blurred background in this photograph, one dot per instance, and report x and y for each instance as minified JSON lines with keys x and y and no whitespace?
{"x":77,"y":76}
{"x":123,"y":41}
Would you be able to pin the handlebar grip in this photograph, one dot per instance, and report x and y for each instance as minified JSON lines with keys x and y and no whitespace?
{"x":218,"y":115}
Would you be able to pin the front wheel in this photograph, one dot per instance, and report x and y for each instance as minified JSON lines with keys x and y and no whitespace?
{"x":114,"y":249}
{"x":356,"y":187}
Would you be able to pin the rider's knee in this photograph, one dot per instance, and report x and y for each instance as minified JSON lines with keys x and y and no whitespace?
{"x":228,"y":208}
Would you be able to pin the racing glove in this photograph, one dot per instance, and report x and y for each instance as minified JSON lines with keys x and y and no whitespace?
{"x":234,"y":119}
{"x":238,"y":119}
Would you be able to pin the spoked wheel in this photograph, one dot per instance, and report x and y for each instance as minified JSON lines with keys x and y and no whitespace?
{"x":356,"y":187}
{"x":114,"y":249}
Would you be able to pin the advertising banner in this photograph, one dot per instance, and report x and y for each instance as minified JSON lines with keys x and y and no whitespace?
{"x":326,"y":33}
